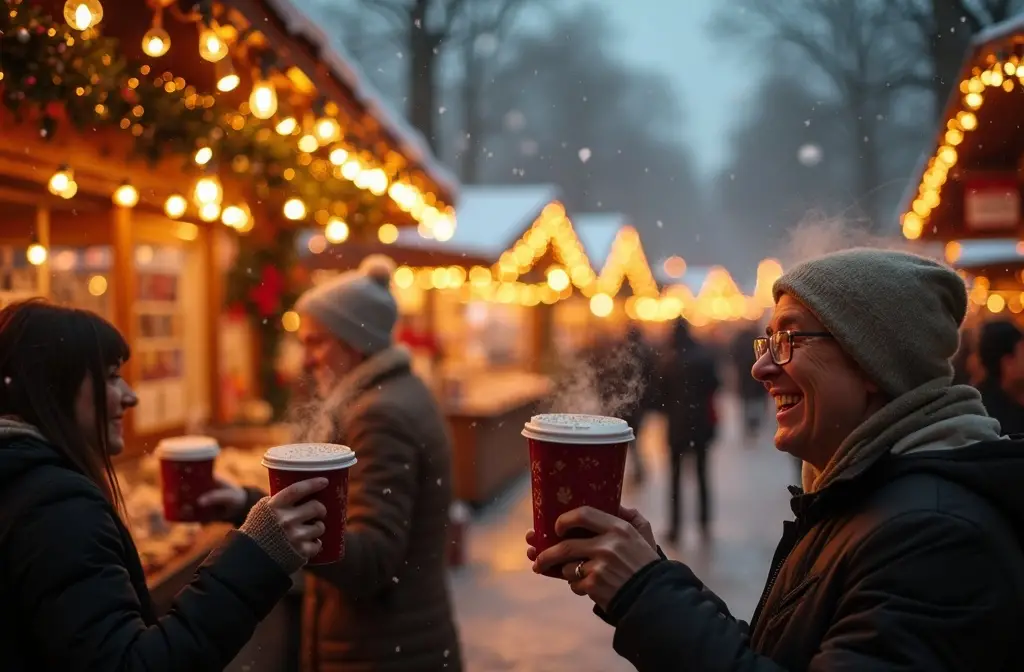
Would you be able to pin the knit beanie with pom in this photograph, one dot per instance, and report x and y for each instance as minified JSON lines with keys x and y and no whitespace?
{"x":896,"y":314}
{"x":357,"y":307}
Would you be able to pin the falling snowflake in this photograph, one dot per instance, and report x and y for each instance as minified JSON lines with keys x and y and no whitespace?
{"x":807,"y":122}
{"x":585,"y":154}
{"x":809,"y":154}
{"x":661,"y":224}
{"x":515,"y":120}
{"x":442,"y":110}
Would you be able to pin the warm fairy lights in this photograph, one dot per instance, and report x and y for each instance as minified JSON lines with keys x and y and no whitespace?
{"x":1004,"y":74}
{"x":125,"y":92}
{"x":551,"y":231}
{"x":627,"y":262}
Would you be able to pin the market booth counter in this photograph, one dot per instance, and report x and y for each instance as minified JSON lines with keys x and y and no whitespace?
{"x":485,"y":422}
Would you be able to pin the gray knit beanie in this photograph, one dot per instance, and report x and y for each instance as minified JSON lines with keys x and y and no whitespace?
{"x":896,"y":314}
{"x":357,"y":306}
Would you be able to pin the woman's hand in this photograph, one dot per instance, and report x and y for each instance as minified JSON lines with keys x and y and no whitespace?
{"x":601,"y":565}
{"x":301,"y":523}
{"x":225,"y":503}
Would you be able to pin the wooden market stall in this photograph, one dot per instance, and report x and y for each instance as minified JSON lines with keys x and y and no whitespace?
{"x":967,"y":193}
{"x":144,"y":152}
{"x":969,"y":186}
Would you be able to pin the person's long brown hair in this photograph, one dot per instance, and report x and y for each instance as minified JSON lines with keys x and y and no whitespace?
{"x":46,"y":353}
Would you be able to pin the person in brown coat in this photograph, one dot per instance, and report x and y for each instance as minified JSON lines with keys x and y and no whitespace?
{"x":386,"y":605}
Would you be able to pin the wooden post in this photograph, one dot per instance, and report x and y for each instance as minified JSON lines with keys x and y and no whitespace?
{"x":214,"y":305}
{"x":42,"y":235}
{"x":124,"y":287}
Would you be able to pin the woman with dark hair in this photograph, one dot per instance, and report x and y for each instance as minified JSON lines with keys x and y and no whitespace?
{"x":72,"y":589}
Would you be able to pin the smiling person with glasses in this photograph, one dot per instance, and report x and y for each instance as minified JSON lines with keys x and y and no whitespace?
{"x":906,"y":547}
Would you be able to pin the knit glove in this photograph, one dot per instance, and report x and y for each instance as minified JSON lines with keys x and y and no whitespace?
{"x":262,"y":527}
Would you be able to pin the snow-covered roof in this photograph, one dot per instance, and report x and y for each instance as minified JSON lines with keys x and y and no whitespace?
{"x":343,"y":67}
{"x":980,"y":253}
{"x":489,"y":219}
{"x":597,"y":231}
{"x":999,"y":31}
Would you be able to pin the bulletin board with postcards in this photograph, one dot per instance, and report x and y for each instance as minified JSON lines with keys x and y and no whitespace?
{"x":160,"y":340}
{"x":81,"y":277}
{"x":18,"y":279}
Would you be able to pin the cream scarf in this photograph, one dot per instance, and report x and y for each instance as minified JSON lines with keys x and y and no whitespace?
{"x":934,"y":416}
{"x":324,"y":420}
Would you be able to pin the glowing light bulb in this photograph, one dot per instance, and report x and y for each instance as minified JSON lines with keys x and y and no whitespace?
{"x":291,"y":321}
{"x":83,"y":14}
{"x":558,"y":279}
{"x":36,"y":254}
{"x":61,"y":181}
{"x":327,"y":130}
{"x":97,"y":285}
{"x":263,"y":100}
{"x":126,"y":195}
{"x":208,"y":190}
{"x":444,"y":229}
{"x":287,"y":126}
{"x":601,"y":305}
{"x":227,"y":78}
{"x":338,"y":156}
{"x":209,"y":212}
{"x":156,"y":42}
{"x":294,"y":209}
{"x":175,"y":206}
{"x":203,"y":156}
{"x":235,"y":216}
{"x":211,"y":47}
{"x":336,"y":230}
{"x":387,"y":233}
{"x":308,"y":144}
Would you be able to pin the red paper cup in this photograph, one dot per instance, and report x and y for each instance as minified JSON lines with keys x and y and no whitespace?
{"x":575,"y":460}
{"x":186,"y":472}
{"x":296,"y":462}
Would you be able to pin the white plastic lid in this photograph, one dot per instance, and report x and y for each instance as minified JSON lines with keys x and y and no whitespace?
{"x":578,"y":428}
{"x":188,"y":448}
{"x":309,"y":457}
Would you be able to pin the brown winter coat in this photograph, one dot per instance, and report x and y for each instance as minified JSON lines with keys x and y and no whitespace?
{"x":386,"y":606}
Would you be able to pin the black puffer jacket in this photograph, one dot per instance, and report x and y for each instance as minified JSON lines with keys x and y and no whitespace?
{"x":72,"y":592}
{"x":915,"y":564}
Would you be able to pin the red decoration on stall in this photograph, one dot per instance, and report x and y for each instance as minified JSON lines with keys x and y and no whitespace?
{"x":266,"y":296}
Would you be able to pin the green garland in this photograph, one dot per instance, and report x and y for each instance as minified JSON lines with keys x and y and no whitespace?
{"x":258,"y":284}
{"x":52,"y":73}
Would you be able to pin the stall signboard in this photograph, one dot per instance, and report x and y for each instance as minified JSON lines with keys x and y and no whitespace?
{"x":992,"y":203}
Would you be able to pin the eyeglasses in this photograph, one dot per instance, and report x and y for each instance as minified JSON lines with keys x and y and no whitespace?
{"x":780,"y":344}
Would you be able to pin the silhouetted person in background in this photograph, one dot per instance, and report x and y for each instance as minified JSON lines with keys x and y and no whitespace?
{"x":688,"y":381}
{"x":1001,"y":351}
{"x":751,"y":392}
